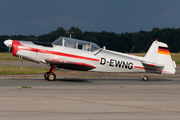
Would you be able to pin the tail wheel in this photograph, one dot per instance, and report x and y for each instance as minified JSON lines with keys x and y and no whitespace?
{"x":51,"y":76}
{"x":145,"y":78}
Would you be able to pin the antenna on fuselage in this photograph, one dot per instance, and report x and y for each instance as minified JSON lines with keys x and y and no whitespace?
{"x":131,"y":50}
{"x":70,"y":33}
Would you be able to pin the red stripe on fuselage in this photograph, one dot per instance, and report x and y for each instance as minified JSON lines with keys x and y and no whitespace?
{"x":19,"y":47}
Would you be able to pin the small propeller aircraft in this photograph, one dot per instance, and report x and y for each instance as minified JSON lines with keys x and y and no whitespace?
{"x":82,"y":55}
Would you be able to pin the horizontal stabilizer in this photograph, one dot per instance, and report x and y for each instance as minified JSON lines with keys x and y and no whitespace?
{"x":152,"y":64}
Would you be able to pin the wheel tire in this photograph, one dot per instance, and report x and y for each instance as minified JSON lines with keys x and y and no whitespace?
{"x":145,"y":78}
{"x":51,"y":77}
{"x":46,"y":75}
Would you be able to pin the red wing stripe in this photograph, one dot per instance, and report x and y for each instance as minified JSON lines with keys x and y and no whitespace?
{"x":69,"y":62}
{"x":87,"y":65}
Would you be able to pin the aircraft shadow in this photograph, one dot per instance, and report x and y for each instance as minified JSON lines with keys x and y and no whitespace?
{"x":132,"y":79}
{"x":159,"y":79}
{"x":99,"y":79}
{"x":108,"y":79}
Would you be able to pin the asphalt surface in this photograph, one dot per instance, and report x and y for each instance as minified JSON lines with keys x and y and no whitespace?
{"x":90,"y":96}
{"x":38,"y":81}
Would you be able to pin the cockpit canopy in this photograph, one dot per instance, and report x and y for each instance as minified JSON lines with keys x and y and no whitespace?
{"x":76,"y":44}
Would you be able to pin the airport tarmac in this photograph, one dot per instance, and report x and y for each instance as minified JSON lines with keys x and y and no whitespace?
{"x":86,"y":97}
{"x":90,"y":99}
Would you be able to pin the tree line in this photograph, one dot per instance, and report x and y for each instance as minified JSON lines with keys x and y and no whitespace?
{"x":123,"y":42}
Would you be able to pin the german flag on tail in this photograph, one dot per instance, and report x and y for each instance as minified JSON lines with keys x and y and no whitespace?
{"x":163,"y":50}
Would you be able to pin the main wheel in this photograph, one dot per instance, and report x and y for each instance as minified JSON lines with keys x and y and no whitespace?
{"x":145,"y":78}
{"x":51,"y":77}
{"x":46,"y":75}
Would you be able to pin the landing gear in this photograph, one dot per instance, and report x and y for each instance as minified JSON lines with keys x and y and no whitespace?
{"x":50,"y":75}
{"x":46,"y":75}
{"x":144,"y":78}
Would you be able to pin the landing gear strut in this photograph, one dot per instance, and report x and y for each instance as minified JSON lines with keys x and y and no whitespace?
{"x":144,"y":77}
{"x":50,"y":75}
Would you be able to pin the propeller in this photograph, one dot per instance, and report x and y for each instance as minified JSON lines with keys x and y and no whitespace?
{"x":8,"y":43}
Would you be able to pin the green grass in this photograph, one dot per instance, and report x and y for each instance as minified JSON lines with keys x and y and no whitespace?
{"x":26,"y":87}
{"x":6,"y":56}
{"x":17,"y":71}
{"x":5,"y":70}
{"x":176,"y":58}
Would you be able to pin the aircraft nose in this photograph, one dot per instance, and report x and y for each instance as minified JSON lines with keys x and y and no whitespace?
{"x":8,"y":43}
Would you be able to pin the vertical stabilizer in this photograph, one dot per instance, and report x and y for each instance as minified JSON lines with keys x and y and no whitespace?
{"x":159,"y":55}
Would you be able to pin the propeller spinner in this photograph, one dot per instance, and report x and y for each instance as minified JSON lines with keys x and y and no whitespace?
{"x":8,"y":43}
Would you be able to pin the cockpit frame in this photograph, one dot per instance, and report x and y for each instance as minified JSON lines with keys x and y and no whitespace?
{"x":76,"y":44}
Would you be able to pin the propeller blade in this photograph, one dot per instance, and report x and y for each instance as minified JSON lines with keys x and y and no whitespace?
{"x":9,"y":50}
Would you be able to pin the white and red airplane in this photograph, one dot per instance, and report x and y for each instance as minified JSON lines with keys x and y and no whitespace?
{"x":77,"y":54}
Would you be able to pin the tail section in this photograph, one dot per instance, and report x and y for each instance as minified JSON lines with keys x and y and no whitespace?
{"x":158,"y":57}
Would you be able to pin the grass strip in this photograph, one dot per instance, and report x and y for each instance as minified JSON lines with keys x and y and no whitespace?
{"x":26,"y":87}
{"x":7,"y":56}
{"x":17,"y":71}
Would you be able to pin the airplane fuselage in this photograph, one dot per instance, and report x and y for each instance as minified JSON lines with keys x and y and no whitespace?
{"x":102,"y":60}
{"x":87,"y":56}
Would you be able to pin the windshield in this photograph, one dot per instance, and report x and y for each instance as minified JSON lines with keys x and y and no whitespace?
{"x":76,"y":44}
{"x":58,"y":41}
{"x":70,"y":43}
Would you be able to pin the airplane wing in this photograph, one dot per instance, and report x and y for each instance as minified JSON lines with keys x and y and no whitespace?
{"x":69,"y":64}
